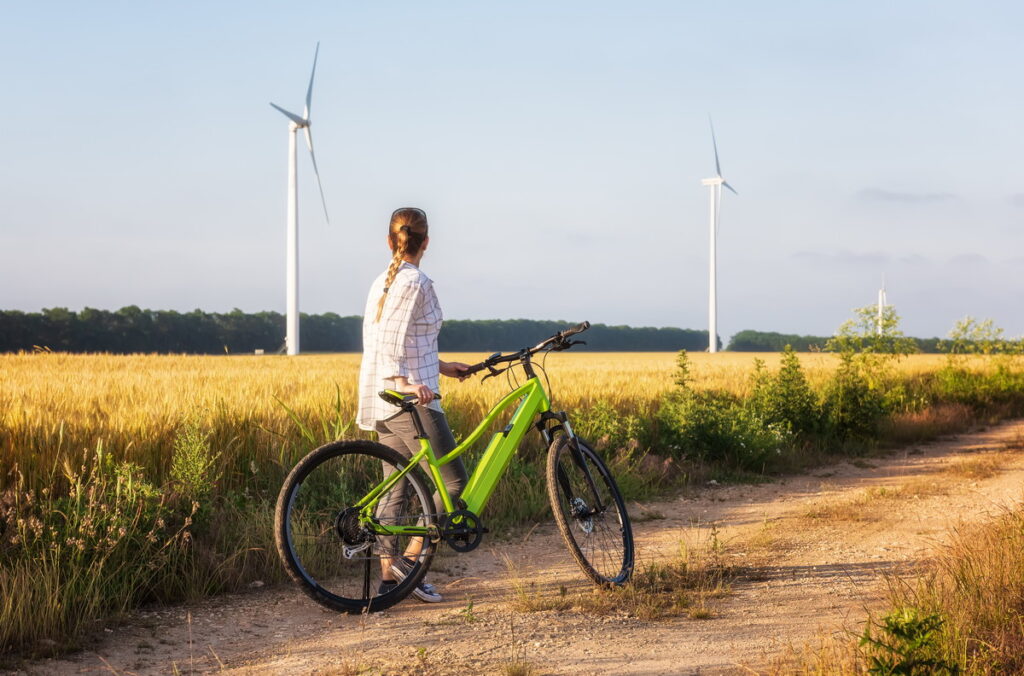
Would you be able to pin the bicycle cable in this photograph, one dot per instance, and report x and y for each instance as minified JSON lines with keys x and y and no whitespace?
{"x":510,"y":378}
{"x":543,"y":363}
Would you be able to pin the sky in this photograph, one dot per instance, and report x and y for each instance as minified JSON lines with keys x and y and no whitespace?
{"x":557,"y":147}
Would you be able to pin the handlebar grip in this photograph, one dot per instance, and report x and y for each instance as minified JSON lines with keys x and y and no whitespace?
{"x":579,"y":328}
{"x":475,"y":368}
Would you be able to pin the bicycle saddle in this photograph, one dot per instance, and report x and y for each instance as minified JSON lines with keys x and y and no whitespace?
{"x":397,"y":398}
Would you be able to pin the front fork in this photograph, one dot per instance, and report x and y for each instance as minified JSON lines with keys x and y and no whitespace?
{"x":549,"y":425}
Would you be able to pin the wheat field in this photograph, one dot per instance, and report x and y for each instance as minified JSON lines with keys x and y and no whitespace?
{"x":55,"y":405}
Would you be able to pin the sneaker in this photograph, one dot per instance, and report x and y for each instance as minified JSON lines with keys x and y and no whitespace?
{"x":386,"y":586}
{"x":424,"y":591}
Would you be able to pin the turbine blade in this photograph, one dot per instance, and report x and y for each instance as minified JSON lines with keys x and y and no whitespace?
{"x":714,"y":144}
{"x":291,"y":116}
{"x":726,"y":184}
{"x":312,"y":156}
{"x":309,"y":91}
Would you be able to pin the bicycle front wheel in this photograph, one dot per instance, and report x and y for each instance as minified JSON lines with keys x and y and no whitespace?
{"x":589,"y":511}
{"x":337,"y":560}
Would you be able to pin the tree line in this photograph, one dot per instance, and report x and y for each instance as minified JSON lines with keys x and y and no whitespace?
{"x":769,"y":341}
{"x":131,"y":330}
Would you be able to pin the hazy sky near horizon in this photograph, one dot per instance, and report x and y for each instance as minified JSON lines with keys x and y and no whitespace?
{"x":557,"y":148}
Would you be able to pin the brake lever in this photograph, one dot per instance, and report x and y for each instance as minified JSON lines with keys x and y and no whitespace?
{"x":494,"y":372}
{"x":565,"y":345}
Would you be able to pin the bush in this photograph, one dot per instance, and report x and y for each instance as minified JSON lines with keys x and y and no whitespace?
{"x":852,"y":408}
{"x":193,"y":461}
{"x":785,"y":399}
{"x":609,"y":429}
{"x":717,"y":427}
{"x":906,"y":642}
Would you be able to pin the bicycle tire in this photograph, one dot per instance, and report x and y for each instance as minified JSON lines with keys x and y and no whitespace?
{"x":601,"y":541}
{"x":311,"y":525}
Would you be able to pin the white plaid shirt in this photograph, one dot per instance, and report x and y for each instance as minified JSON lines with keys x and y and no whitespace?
{"x":402,"y":343}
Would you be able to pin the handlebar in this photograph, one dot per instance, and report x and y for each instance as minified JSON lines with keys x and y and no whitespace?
{"x":559,"y":341}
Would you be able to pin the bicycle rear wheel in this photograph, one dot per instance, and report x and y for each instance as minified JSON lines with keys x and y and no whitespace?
{"x":589,"y":511}
{"x":334,"y":558}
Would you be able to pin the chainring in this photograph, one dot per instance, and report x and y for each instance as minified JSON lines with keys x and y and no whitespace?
{"x":462,"y":530}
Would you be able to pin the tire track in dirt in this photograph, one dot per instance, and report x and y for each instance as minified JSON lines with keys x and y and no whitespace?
{"x":799,"y":576}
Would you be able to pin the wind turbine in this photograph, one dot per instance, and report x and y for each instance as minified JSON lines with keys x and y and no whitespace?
{"x":715,"y":184}
{"x":881,"y":306}
{"x":294,"y":125}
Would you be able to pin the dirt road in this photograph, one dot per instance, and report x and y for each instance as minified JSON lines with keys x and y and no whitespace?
{"x":810,"y":550}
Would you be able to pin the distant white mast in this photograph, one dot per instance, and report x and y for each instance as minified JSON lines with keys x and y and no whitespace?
{"x":715,"y":184}
{"x":881,"y":306}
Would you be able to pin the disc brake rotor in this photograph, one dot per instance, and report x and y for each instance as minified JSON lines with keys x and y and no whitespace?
{"x":579,"y":509}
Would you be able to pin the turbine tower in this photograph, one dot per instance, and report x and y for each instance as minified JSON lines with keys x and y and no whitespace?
{"x":294,"y":125}
{"x":715,"y":184}
{"x":881,"y":306}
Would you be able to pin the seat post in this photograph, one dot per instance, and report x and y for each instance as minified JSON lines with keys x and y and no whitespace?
{"x":416,"y":422}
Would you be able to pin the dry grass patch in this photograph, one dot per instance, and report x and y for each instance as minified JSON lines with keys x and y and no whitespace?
{"x":519,"y":668}
{"x":875,"y":503}
{"x":681,"y":587}
{"x":918,"y":426}
{"x":974,"y":468}
{"x":825,"y":655}
{"x":640,"y":513}
{"x":1015,"y":445}
{"x":767,"y":537}
{"x":964,"y":615}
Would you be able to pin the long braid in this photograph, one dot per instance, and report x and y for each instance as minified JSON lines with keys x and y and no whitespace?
{"x":406,"y":234}
{"x":397,"y":258}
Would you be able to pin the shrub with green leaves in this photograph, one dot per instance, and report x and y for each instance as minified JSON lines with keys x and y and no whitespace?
{"x":717,"y":427}
{"x":852,"y":407}
{"x":784,"y":398}
{"x":193,"y":462}
{"x":906,"y":642}
{"x":608,"y":429}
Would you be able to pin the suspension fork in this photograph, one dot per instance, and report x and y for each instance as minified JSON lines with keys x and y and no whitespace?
{"x":549,"y":425}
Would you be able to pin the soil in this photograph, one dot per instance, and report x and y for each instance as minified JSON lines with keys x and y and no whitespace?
{"x":800,"y":576}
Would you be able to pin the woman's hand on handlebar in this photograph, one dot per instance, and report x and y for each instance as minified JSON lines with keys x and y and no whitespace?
{"x":454,"y":369}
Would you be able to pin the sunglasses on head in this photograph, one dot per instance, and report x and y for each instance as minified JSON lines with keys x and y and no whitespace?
{"x":413,"y":209}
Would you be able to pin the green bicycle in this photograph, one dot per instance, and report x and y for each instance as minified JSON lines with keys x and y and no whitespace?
{"x":350,"y":508}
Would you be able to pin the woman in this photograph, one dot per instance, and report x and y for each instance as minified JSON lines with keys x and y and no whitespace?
{"x":400,"y":327}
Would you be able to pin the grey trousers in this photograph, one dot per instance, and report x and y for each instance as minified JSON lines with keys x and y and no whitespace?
{"x":399,"y":433}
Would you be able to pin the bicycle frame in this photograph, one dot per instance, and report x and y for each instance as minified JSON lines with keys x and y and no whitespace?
{"x":533,"y":401}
